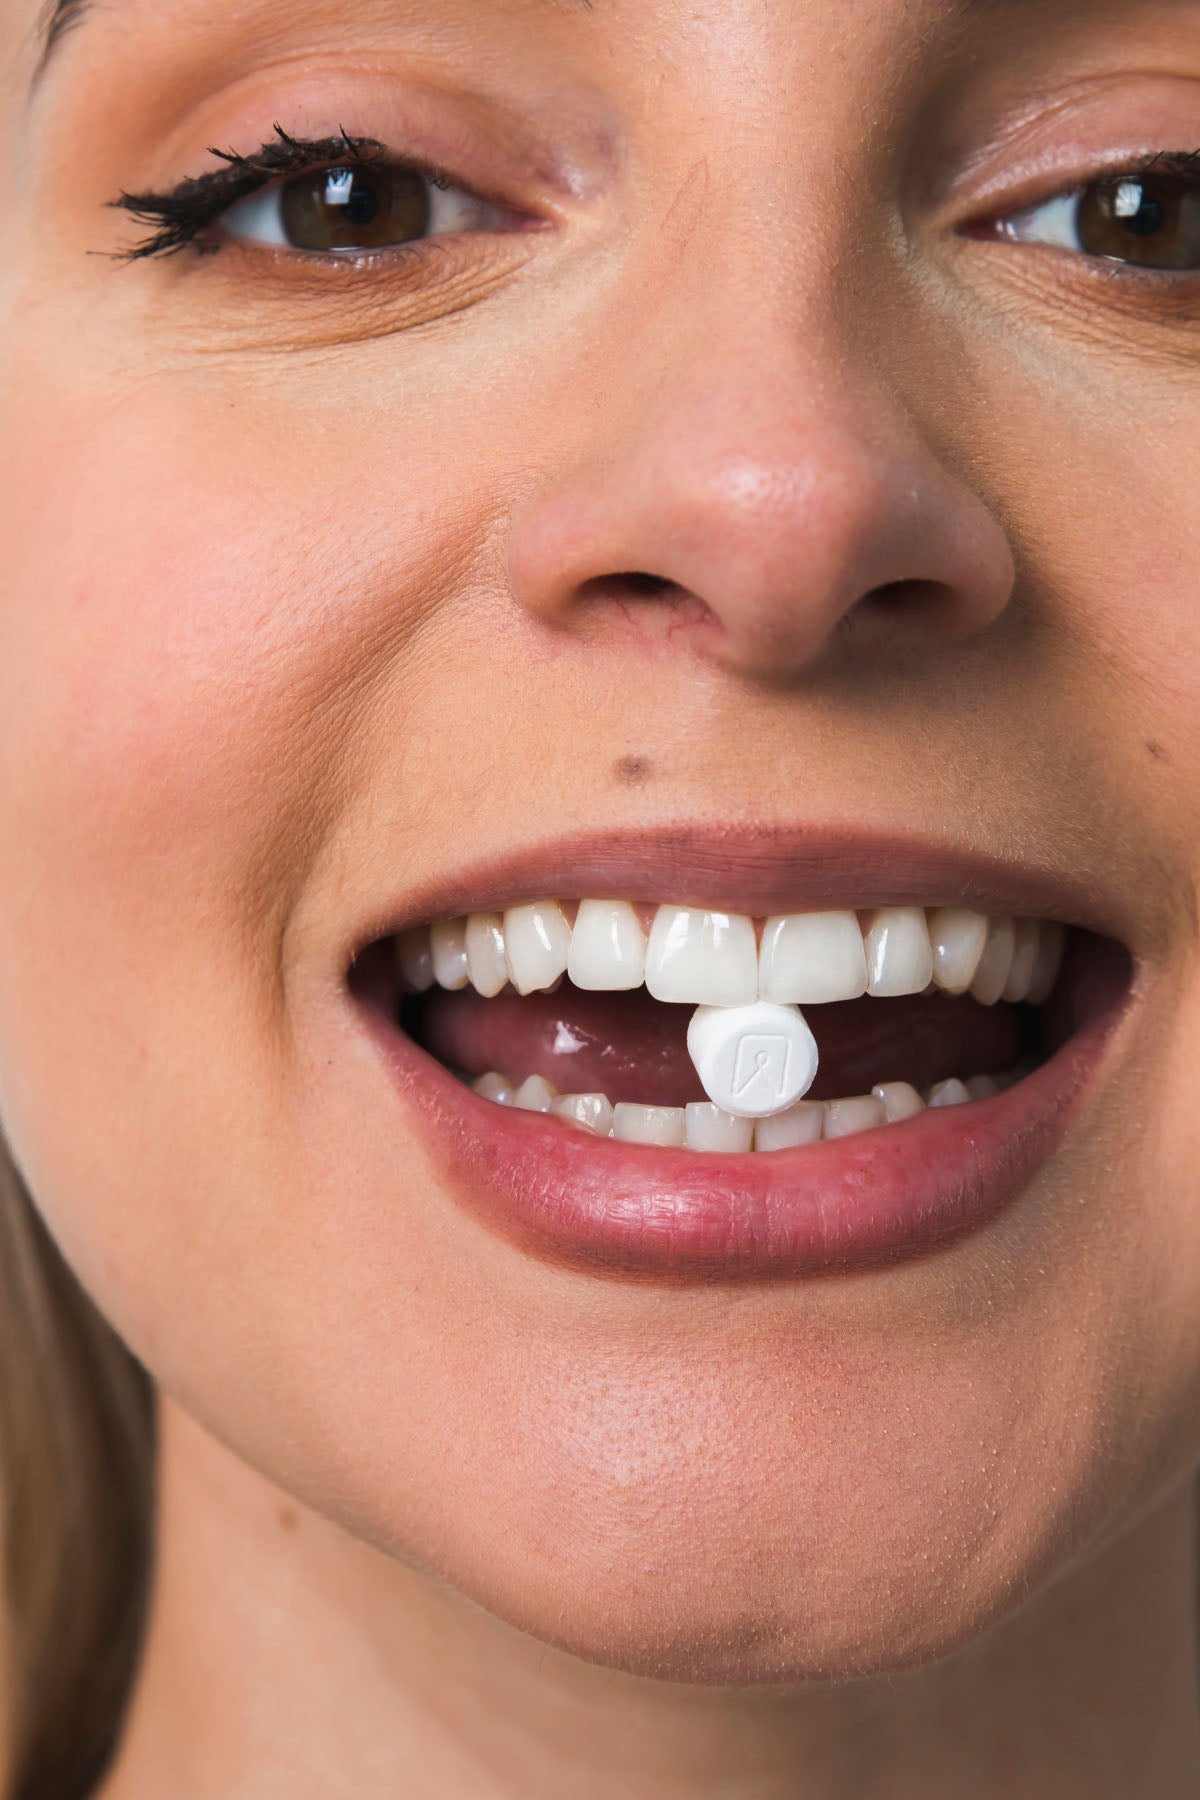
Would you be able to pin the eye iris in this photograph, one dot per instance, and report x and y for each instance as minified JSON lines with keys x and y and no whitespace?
{"x":1154,"y":222}
{"x":354,"y":208}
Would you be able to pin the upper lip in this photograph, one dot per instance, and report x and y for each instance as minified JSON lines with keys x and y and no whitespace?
{"x":758,"y":869}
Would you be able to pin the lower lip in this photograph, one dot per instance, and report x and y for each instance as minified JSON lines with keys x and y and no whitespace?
{"x":635,"y":1212}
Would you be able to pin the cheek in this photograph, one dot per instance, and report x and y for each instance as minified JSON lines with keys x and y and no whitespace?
{"x":185,"y":649}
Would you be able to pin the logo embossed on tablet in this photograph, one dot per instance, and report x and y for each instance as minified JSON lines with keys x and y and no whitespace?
{"x":761,"y":1068}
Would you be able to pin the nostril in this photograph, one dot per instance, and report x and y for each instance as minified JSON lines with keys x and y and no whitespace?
{"x":637,"y":583}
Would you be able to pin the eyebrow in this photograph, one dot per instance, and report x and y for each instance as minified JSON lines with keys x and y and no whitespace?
{"x":61,"y":16}
{"x":57,"y":19}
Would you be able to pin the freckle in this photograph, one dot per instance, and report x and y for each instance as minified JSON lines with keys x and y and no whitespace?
{"x":634,"y":771}
{"x":287,"y":1519}
{"x":1157,"y":751}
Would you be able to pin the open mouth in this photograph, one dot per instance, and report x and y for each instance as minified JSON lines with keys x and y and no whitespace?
{"x":562,"y":1024}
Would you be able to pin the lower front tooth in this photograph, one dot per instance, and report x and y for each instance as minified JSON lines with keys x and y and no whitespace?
{"x":662,"y":1125}
{"x":948,"y":1093}
{"x":535,"y":1095}
{"x":592,"y":1111}
{"x":707,"y":1127}
{"x":801,"y":1124}
{"x":900,"y":1100}
{"x":845,"y":1117}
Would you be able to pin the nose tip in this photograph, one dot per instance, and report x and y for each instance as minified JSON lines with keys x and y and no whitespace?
{"x":773,"y":535}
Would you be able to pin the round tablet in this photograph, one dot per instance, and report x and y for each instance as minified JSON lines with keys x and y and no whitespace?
{"x":754,"y":1061}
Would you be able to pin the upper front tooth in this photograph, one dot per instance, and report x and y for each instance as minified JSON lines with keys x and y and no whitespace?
{"x":702,"y":958}
{"x":899,"y":954}
{"x":992,"y":973}
{"x":448,"y":943}
{"x":537,"y":943}
{"x":485,"y":953}
{"x":808,"y":959}
{"x":959,"y":939}
{"x":608,"y":947}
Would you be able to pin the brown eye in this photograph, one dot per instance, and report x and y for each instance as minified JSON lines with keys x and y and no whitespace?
{"x":345,"y":208}
{"x":359,"y":208}
{"x":1153,"y":221}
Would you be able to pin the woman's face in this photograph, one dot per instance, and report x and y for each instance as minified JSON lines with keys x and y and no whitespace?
{"x":751,"y":483}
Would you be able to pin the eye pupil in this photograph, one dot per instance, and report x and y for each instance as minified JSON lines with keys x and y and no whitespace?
{"x":354,"y":209}
{"x":1139,"y":210}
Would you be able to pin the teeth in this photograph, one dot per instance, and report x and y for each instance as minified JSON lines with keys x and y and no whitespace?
{"x":448,"y":944}
{"x":494,"y":1087}
{"x":416,"y":959}
{"x":983,"y":1087}
{"x":899,"y":954}
{"x":608,"y":947}
{"x":809,"y":959}
{"x":592,"y":1111}
{"x":994,"y":965}
{"x":1051,"y":943}
{"x":485,"y":953}
{"x":702,"y":1127}
{"x":706,"y":1127}
{"x":959,"y":939}
{"x":535,"y":1095}
{"x":845,"y":1117}
{"x":801,"y":1124}
{"x":702,"y":958}
{"x":537,"y":943}
{"x":900,"y":1101}
{"x":1026,"y":938}
{"x":663,"y":1125}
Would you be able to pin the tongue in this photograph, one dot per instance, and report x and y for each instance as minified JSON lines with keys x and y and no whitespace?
{"x":634,"y":1048}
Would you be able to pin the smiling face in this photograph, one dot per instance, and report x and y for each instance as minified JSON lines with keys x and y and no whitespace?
{"x":739,"y":484}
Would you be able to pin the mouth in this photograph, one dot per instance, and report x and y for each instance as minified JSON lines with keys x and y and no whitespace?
{"x":540,"y":1041}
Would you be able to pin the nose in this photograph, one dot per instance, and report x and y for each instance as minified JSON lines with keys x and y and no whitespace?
{"x":779,"y":505}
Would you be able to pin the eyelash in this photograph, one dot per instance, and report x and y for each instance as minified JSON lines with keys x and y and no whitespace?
{"x":1180,"y":165}
{"x":183,"y":213}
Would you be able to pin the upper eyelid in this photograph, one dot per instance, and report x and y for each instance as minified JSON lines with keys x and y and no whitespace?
{"x":1035,"y":192}
{"x":180,"y":216}
{"x":243,"y":174}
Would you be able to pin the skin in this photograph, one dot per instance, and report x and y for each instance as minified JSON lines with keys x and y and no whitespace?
{"x":313,"y":577}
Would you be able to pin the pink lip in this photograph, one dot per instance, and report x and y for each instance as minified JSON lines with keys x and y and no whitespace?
{"x":676,"y":1216}
{"x":670,"y":1216}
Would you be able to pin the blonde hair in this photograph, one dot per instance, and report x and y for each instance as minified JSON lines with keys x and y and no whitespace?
{"x":77,"y":1453}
